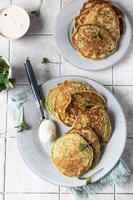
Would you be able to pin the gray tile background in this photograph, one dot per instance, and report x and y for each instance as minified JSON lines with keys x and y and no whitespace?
{"x":17,"y":182}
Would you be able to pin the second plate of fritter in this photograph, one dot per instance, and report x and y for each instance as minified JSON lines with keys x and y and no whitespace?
{"x":93,"y":35}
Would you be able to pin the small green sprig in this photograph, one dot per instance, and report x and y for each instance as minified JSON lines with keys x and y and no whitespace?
{"x":82,"y":146}
{"x":87,"y":104}
{"x":88,"y":179}
{"x":22,"y":126}
{"x":36,"y":12}
{"x":47,"y":60}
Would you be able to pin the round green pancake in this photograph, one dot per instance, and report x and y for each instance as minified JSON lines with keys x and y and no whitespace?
{"x":93,"y":42}
{"x":72,"y":155}
{"x":92,"y":139}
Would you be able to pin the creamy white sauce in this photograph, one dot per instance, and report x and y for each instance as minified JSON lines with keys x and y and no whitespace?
{"x":47,"y":131}
{"x":14,"y":22}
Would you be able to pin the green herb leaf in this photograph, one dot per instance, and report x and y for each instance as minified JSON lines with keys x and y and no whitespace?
{"x":22,"y":126}
{"x":36,"y":12}
{"x":88,"y":179}
{"x":82,"y":146}
{"x":87,"y":104}
{"x":12,"y":80}
{"x":46,"y":61}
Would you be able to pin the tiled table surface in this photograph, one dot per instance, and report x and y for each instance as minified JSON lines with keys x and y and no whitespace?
{"x":17,"y":182}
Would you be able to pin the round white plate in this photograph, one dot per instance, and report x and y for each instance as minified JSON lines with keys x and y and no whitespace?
{"x":62,"y":31}
{"x":36,"y":155}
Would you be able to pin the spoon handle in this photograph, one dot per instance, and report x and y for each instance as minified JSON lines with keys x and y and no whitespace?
{"x":34,"y":86}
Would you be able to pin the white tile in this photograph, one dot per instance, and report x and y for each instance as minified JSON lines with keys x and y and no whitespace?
{"x":91,"y":197}
{"x":128,"y":158}
{"x":66,"y":197}
{"x":123,"y":73}
{"x":49,"y":11}
{"x":4,"y":46}
{"x":103,"y":76}
{"x":124,"y":197}
{"x":35,"y":48}
{"x":102,"y":196}
{"x":19,"y":178}
{"x":1,"y":197}
{"x":11,"y":131}
{"x":31,"y":197}
{"x":3,"y":98}
{"x":125,"y":97}
{"x":2,"y":158}
{"x":4,"y":4}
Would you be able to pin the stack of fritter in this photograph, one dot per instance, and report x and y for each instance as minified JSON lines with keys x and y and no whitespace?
{"x":81,"y":107}
{"x":97,"y":29}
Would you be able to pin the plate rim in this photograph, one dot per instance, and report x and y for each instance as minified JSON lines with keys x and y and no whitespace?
{"x":126,"y":21}
{"x":125,"y":125}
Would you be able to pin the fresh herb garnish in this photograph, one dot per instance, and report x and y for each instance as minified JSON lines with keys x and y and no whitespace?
{"x":36,"y":12}
{"x":5,"y":81}
{"x":82,"y":146}
{"x":46,"y":61}
{"x":87,"y":104}
{"x":22,"y":126}
{"x":97,"y":35}
{"x":88,"y":179}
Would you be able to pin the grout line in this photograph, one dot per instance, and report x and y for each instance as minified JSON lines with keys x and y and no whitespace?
{"x":60,"y":64}
{"x":5,"y":153}
{"x":129,"y":138}
{"x":92,"y":194}
{"x":114,"y":193}
{"x":125,"y":193}
{"x":59,"y":194}
{"x":4,"y":181}
{"x":23,"y":84}
{"x":31,"y":193}
{"x":61,"y":4}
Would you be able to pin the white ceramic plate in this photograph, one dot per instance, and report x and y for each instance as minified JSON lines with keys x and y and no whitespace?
{"x":62,"y":31}
{"x":36,"y":155}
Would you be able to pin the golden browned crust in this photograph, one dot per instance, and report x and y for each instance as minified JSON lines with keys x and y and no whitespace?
{"x":63,"y":96}
{"x":93,"y":141}
{"x":68,"y":158}
{"x":93,"y":42}
{"x":98,"y":119}
{"x":79,"y":102}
